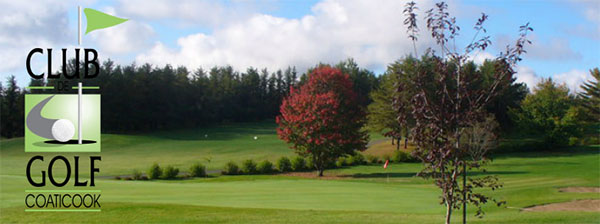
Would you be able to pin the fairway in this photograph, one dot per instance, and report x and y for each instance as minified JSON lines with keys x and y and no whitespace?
{"x":361,"y":194}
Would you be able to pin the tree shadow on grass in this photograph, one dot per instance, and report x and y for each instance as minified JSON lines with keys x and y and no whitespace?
{"x":559,"y":152}
{"x":413,"y":174}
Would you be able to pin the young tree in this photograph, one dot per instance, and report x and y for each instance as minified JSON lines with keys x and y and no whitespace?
{"x":321,"y":119}
{"x":447,"y":100}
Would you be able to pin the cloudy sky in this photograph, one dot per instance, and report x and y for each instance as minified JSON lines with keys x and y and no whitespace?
{"x":277,"y":34}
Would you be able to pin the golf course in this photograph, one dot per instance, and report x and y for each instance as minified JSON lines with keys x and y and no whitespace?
{"x":352,"y":194}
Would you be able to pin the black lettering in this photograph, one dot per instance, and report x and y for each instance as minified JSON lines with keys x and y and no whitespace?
{"x":93,"y":168}
{"x":28,"y":63}
{"x":50,"y":168}
{"x":64,"y":64}
{"x":43,"y":183}
{"x":94,"y":62}
{"x":77,"y":183}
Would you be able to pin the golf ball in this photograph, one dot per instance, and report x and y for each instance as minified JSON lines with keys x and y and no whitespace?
{"x":63,"y":130}
{"x":255,"y":137}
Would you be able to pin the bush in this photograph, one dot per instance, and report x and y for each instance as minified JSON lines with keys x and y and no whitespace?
{"x":372,"y":159}
{"x":137,"y":175}
{"x":170,"y":172}
{"x":403,"y":157}
{"x":231,"y":168}
{"x":154,"y":172}
{"x":340,"y":162}
{"x":298,"y":164}
{"x":265,"y":167}
{"x":386,"y":157}
{"x":249,"y":167}
{"x":284,"y":164}
{"x":358,"y":159}
{"x":310,"y":164}
{"x":198,"y":170}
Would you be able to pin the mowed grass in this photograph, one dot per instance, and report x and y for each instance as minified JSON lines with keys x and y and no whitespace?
{"x":361,"y":194}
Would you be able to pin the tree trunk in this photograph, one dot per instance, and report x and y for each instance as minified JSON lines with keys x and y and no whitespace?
{"x":464,"y":193}
{"x":398,"y":144}
{"x":448,"y":212}
{"x":321,"y":172}
{"x":405,"y":143}
{"x":392,"y":141}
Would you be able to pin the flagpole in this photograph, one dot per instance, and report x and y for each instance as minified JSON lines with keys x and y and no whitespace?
{"x":79,"y":93}
{"x":79,"y":24}
{"x":80,"y":89}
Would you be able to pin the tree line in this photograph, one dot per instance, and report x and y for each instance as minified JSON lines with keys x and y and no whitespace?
{"x":148,"y":98}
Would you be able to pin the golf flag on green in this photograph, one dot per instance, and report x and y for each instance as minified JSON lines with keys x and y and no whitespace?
{"x":386,"y":164}
{"x":99,"y":20}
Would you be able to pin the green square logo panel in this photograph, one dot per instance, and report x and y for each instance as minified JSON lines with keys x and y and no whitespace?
{"x":51,"y":123}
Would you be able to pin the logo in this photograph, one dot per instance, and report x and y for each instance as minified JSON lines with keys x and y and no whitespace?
{"x":60,"y":122}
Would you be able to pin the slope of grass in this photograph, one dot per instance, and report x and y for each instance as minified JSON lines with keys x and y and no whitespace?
{"x":361,"y":194}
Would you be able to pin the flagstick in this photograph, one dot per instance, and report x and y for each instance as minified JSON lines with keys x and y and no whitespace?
{"x":79,"y":24}
{"x":80,"y":90}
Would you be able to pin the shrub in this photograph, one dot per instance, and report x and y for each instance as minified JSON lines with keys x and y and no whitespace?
{"x":403,"y":157}
{"x":198,"y":170}
{"x":372,"y":159}
{"x":170,"y":172}
{"x":249,"y":167}
{"x":265,"y":167}
{"x":137,"y":175}
{"x":231,"y":168}
{"x":358,"y":159}
{"x":284,"y":164}
{"x":298,"y":164}
{"x":154,"y":172}
{"x":386,"y":157}
{"x":310,"y":164}
{"x":340,"y":162}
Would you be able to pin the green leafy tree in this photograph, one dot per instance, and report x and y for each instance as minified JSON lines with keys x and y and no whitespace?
{"x":551,"y":111}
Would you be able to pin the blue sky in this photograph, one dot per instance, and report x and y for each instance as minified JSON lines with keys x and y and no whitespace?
{"x":277,"y":34}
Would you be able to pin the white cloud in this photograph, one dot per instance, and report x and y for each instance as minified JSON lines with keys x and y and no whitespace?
{"x":26,"y":26}
{"x":555,"y":49}
{"x":526,"y":75}
{"x":573,"y":79}
{"x":130,"y":36}
{"x":480,"y":56}
{"x":335,"y":30}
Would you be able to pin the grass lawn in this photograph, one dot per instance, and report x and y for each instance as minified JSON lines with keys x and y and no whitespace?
{"x":361,"y":194}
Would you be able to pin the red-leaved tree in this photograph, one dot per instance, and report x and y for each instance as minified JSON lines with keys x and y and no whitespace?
{"x":322,"y":119}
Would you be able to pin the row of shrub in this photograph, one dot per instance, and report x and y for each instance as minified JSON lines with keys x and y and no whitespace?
{"x":168,"y":173}
{"x":284,"y":164}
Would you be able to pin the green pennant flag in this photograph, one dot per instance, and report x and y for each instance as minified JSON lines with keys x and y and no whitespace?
{"x":99,"y":20}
